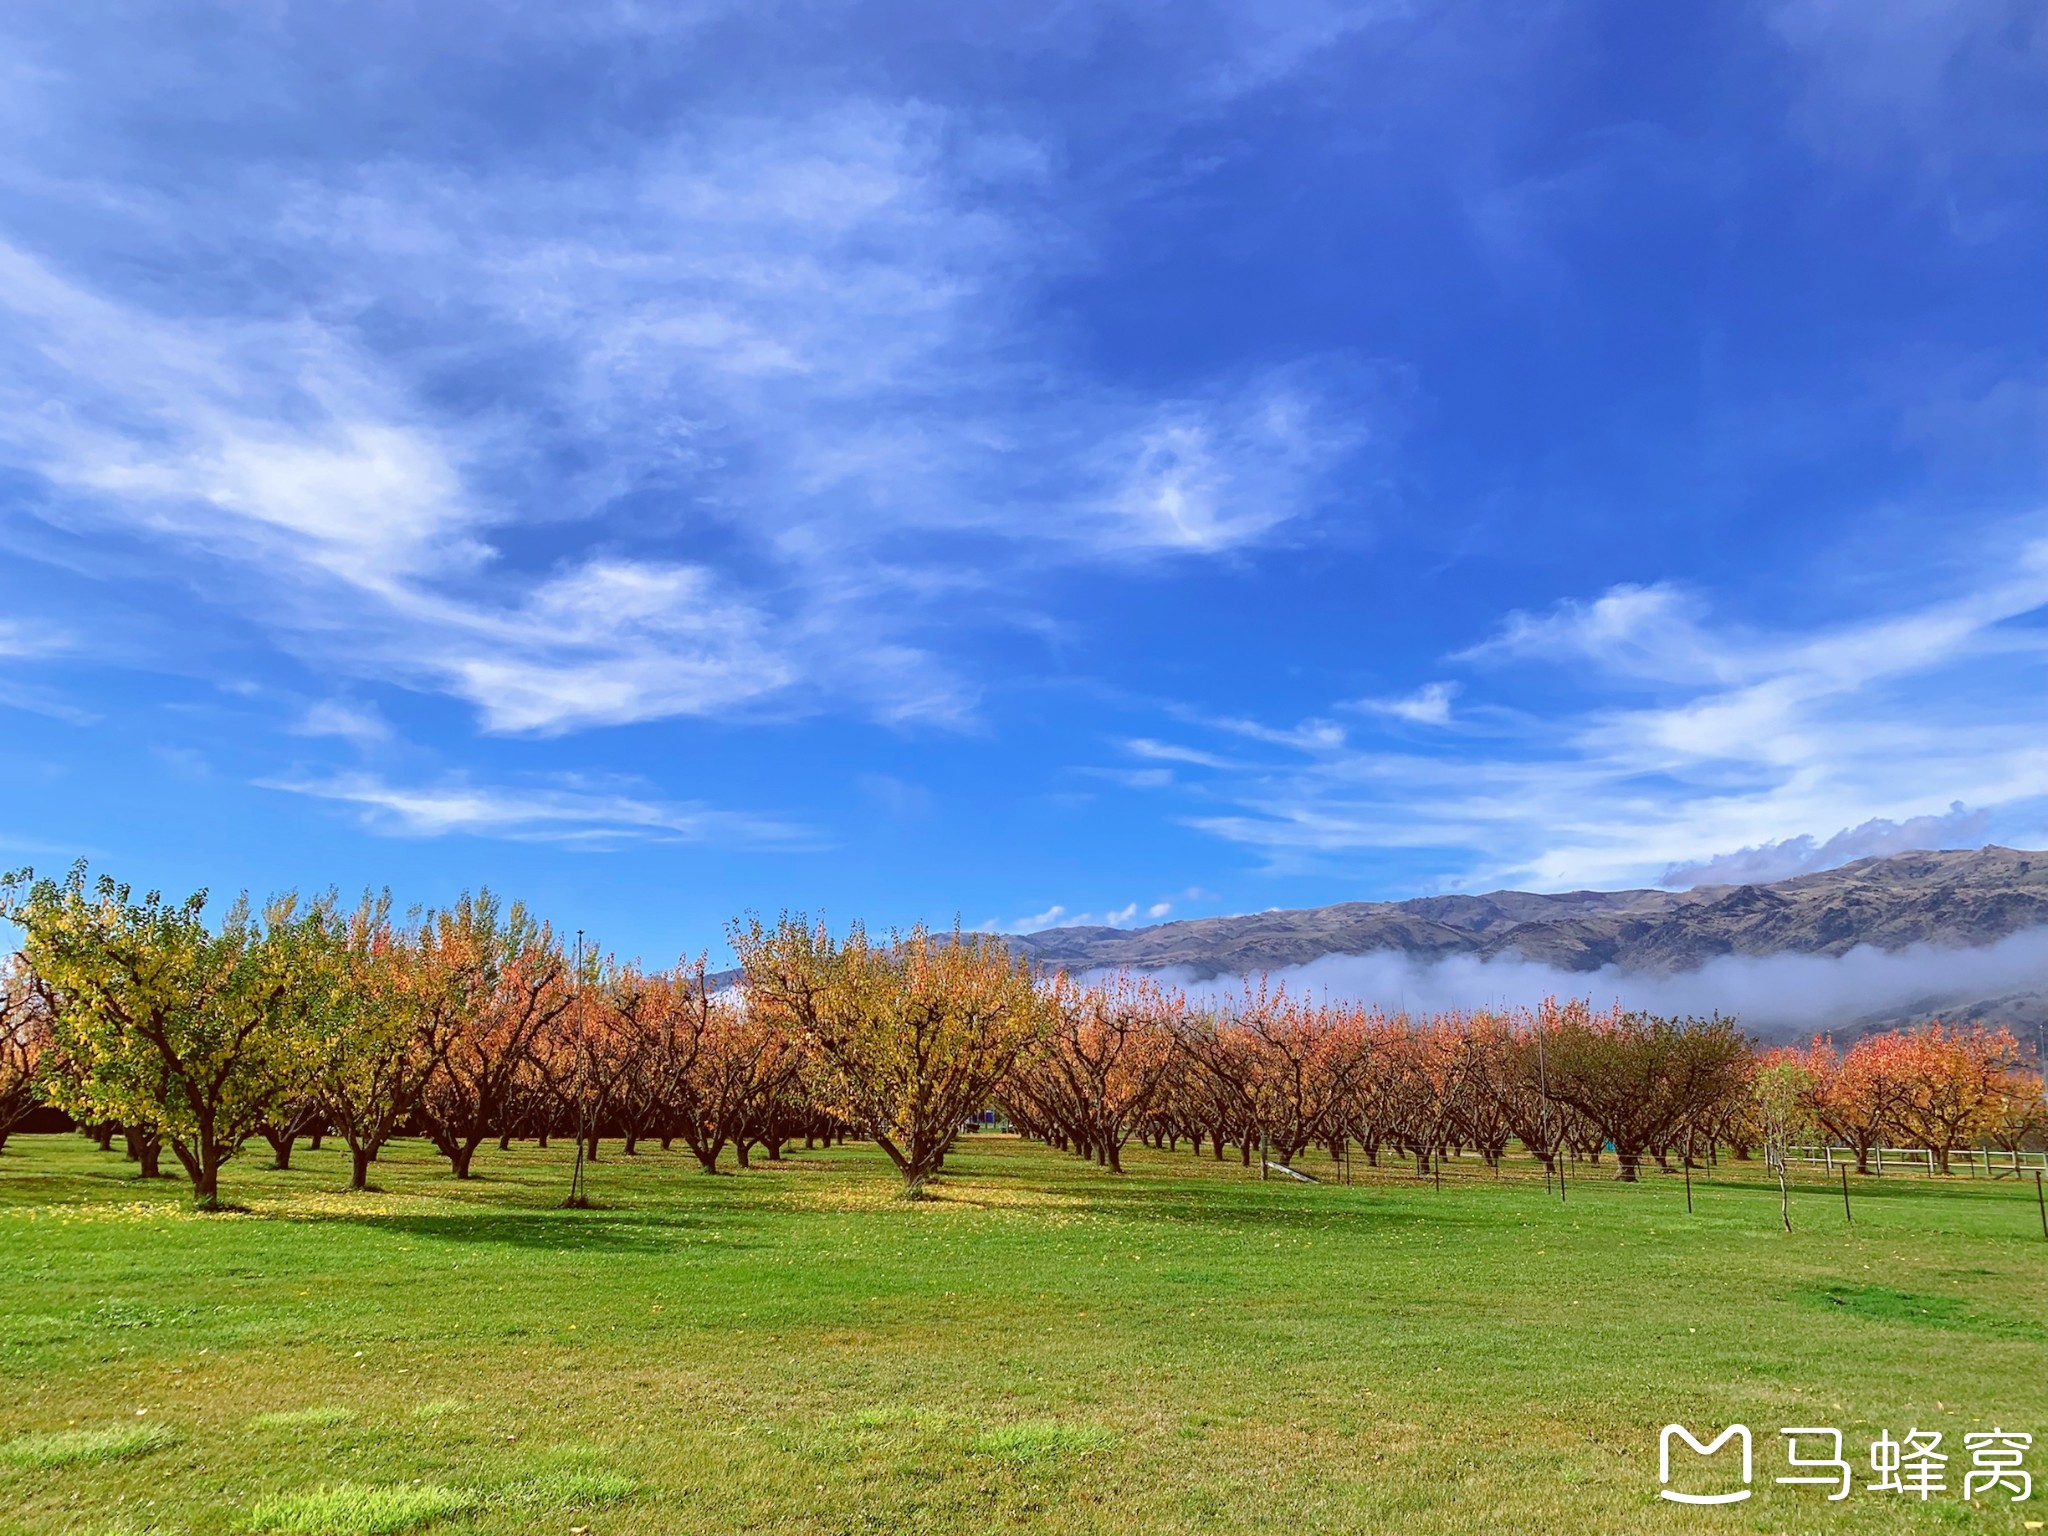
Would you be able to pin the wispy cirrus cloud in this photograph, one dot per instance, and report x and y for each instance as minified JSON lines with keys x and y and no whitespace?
{"x":1954,"y":84}
{"x":1702,"y":750}
{"x":357,"y":723}
{"x":728,"y":420}
{"x":1428,"y":705}
{"x":575,"y":813}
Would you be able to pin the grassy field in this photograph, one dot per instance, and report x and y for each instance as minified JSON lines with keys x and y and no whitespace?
{"x":1043,"y":1347}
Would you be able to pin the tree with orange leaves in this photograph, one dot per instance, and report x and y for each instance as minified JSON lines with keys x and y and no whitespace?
{"x":1858,"y":1096}
{"x":1960,"y":1079}
{"x":586,"y":1053}
{"x":382,"y":1029}
{"x":742,"y":1062}
{"x":1095,"y":1074}
{"x":23,"y":1031}
{"x":909,"y":1037}
{"x":504,"y":980}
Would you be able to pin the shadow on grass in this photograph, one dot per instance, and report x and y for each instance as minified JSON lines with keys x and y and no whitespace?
{"x":623,"y":1231}
{"x":1293,"y":1208}
{"x":1883,"y":1304}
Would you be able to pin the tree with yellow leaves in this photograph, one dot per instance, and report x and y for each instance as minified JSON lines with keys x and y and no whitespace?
{"x":161,"y":1023}
{"x":909,"y":1038}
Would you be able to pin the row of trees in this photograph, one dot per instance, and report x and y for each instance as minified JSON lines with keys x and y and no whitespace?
{"x":1939,"y":1087}
{"x":474,"y":1023}
{"x":1275,"y":1074}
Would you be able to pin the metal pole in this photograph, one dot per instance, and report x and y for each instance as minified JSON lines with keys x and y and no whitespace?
{"x":2043,"y":1204}
{"x":1845,"y":1194}
{"x":1688,"y":1183}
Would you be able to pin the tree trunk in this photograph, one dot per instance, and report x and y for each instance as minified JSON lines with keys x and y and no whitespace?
{"x":459,"y":1154}
{"x":319,"y":1134}
{"x":742,"y":1150}
{"x":103,"y":1135}
{"x":280,"y":1146}
{"x":359,"y":1166}
{"x":206,"y":1179}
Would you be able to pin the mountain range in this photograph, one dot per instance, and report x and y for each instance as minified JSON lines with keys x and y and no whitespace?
{"x":1957,"y":899}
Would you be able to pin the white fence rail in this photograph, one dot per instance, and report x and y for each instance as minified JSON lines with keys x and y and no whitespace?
{"x":1978,"y":1162}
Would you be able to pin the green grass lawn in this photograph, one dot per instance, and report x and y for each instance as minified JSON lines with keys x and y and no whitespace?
{"x":1042,"y":1347}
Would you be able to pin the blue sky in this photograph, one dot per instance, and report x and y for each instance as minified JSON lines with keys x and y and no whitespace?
{"x":1085,"y":461}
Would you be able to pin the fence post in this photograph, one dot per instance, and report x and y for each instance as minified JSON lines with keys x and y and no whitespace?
{"x":1845,"y":1194}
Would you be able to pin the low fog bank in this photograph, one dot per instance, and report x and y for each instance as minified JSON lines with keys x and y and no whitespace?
{"x":1775,"y":995}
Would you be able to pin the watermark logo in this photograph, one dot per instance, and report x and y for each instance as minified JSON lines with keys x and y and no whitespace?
{"x":1739,"y":1432}
{"x":1915,"y":1467}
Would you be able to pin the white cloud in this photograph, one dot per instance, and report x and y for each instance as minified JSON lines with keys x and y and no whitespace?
{"x":575,"y":813}
{"x":1428,"y":705}
{"x":1204,"y":476}
{"x":1877,"y":838}
{"x":1171,"y":752}
{"x":608,"y":643}
{"x":1783,"y":995}
{"x":1057,"y":916}
{"x":1053,"y":916}
{"x":358,"y":723}
{"x":1747,"y":740}
{"x":1934,"y":83}
{"x":1648,"y":632}
{"x":733,"y":403}
{"x":21,"y":639}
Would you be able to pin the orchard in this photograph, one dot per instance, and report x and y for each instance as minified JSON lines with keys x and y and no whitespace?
{"x":474,"y":1024}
